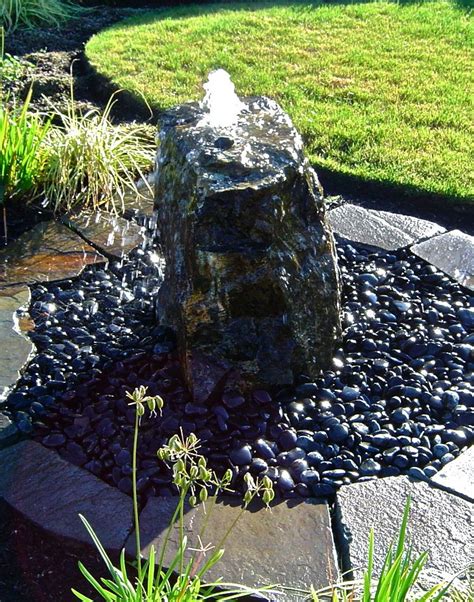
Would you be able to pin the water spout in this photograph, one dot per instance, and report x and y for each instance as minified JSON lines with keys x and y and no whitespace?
{"x":221,"y":103}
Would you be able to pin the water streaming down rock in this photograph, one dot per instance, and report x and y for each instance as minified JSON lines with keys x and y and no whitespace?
{"x":251,"y":284}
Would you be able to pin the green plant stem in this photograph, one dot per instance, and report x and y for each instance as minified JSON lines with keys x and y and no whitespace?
{"x":182,"y":497}
{"x":135,"y":497}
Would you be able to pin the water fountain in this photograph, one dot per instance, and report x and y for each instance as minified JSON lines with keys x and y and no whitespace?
{"x":251,"y":286}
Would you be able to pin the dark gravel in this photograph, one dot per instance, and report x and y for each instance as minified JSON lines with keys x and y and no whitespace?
{"x":397,"y":400}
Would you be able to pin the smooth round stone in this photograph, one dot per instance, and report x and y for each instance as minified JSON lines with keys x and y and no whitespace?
{"x":297,"y":467}
{"x":338,"y":433}
{"x":349,"y":393}
{"x":262,"y":448}
{"x":417,"y":473}
{"x":305,"y":442}
{"x":287,"y":440}
{"x":233,"y":401}
{"x":369,"y":467}
{"x":450,"y":399}
{"x":262,"y":396}
{"x":309,"y":477}
{"x":336,"y":473}
{"x":241,"y":456}
{"x":123,"y":457}
{"x":258,"y":465}
{"x":430,"y":471}
{"x":323,"y":489}
{"x":457,"y":436}
{"x":125,"y":485}
{"x":446,"y":458}
{"x":314,"y":458}
{"x":440,"y":449}
{"x":401,"y":461}
{"x":307,"y":390}
{"x":285,"y":482}
{"x":54,"y":440}
{"x":303,"y":490}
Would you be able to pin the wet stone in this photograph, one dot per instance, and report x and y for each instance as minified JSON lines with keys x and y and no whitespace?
{"x":439,"y":523}
{"x":15,"y":348}
{"x":49,"y":251}
{"x":257,"y":549}
{"x":111,"y":234}
{"x":453,"y":253}
{"x":266,"y":288}
{"x":367,"y":227}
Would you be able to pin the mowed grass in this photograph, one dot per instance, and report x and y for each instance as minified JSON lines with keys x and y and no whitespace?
{"x":381,"y":91}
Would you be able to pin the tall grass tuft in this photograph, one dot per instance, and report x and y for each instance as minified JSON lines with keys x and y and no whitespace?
{"x":21,"y":155}
{"x":92,"y":162}
{"x":34,"y":13}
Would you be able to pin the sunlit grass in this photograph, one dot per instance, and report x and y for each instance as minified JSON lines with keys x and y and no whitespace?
{"x":381,"y":91}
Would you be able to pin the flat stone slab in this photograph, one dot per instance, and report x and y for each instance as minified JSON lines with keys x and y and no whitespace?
{"x":440,"y":523}
{"x":291,"y":545}
{"x":51,"y":493}
{"x":418,"y":229}
{"x":49,"y":251}
{"x":15,"y":349}
{"x":112,"y":235}
{"x":453,"y":253}
{"x":458,"y":476}
{"x":389,"y":231}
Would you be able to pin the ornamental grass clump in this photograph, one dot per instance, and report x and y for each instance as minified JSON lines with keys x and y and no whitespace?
{"x":35,"y":13}
{"x":93,"y":163}
{"x":22,"y":158}
{"x":181,"y":580}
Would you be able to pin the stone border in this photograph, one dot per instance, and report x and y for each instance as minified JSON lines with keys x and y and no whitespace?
{"x":49,"y":492}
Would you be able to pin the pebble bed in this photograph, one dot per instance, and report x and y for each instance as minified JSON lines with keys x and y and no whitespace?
{"x":398,"y":399}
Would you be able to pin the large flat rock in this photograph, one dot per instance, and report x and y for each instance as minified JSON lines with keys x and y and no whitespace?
{"x":15,"y":348}
{"x":453,"y":253}
{"x":111,"y":234}
{"x":418,"y":229}
{"x":52,"y":493}
{"x":365,"y":226}
{"x":440,"y":523}
{"x":290,"y":545}
{"x":458,"y":476}
{"x":382,"y":229}
{"x":49,"y":251}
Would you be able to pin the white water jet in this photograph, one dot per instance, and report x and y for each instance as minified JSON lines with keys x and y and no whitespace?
{"x":221,"y":101}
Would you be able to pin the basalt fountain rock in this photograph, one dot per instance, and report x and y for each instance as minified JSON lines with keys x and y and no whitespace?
{"x":251,"y":284}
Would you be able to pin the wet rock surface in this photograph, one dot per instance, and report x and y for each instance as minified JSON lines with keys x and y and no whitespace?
{"x":453,"y":253}
{"x":251,"y":286}
{"x":397,"y":399}
{"x":112,"y":235}
{"x":48,"y":252}
{"x":15,"y":347}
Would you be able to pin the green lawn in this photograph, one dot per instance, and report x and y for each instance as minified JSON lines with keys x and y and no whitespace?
{"x":380,"y":91}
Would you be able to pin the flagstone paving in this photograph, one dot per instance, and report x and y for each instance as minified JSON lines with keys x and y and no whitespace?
{"x":112,"y":235}
{"x":15,"y":347}
{"x":440,"y":523}
{"x":291,"y":544}
{"x":50,"y":251}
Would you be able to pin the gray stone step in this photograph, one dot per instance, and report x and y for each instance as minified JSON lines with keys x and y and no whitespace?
{"x":453,"y":253}
{"x":112,"y":235}
{"x":51,"y":493}
{"x":49,"y":251}
{"x":458,"y":476}
{"x":440,"y":523}
{"x":382,"y":229}
{"x":15,"y":348}
{"x":292,"y":544}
